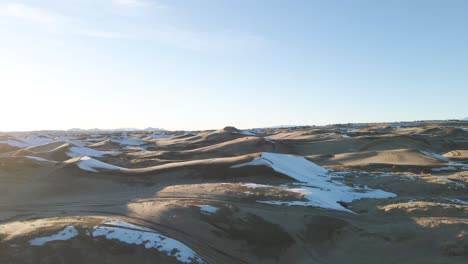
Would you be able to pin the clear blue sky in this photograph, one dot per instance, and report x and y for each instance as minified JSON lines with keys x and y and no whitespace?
{"x":186,"y":64}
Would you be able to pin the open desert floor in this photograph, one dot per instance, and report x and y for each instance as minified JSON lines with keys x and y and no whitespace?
{"x":351,"y":193}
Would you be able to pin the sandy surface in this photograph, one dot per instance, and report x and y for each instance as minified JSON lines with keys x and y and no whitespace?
{"x":359,"y":193}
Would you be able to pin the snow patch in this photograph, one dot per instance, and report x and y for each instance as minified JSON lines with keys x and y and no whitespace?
{"x":255,"y":185}
{"x":447,"y":168}
{"x":208,"y":209}
{"x":247,"y":133}
{"x":14,"y":143}
{"x":295,"y":167}
{"x":244,"y":132}
{"x":68,"y":233}
{"x":120,"y":223}
{"x":129,"y":141}
{"x":385,"y":175}
{"x":329,"y":198}
{"x":131,"y":234}
{"x":159,"y":136}
{"x":435,"y":156}
{"x":90,"y":164}
{"x":458,"y":201}
{"x":75,"y":152}
{"x":457,"y":184}
{"x":316,"y":183}
{"x":267,"y":139}
{"x":39,"y":159}
{"x":23,"y":141}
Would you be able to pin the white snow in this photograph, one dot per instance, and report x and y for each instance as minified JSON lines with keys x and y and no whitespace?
{"x":457,"y":184}
{"x":38,"y":159}
{"x":75,"y":152}
{"x":120,"y":223}
{"x":329,"y":198}
{"x":345,"y":136}
{"x":78,"y":143}
{"x":129,"y":141}
{"x":68,"y":233}
{"x":343,"y":172}
{"x":435,"y":155}
{"x":316,"y":185}
{"x":90,"y":164}
{"x":295,"y":167}
{"x":267,"y":139}
{"x":131,"y":234}
{"x":95,"y":139}
{"x":135,"y":148}
{"x":247,"y":133}
{"x":447,"y":168}
{"x":244,"y":132}
{"x":14,"y":143}
{"x":23,"y":141}
{"x":385,"y":175}
{"x":208,"y":209}
{"x":458,"y":201}
{"x":159,"y":136}
{"x":32,"y":140}
{"x":255,"y":185}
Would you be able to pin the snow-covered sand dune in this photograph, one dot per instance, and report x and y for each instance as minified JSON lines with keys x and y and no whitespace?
{"x":89,"y":164}
{"x":68,"y":233}
{"x":130,"y":234}
{"x":314,"y":182}
{"x":150,"y":239}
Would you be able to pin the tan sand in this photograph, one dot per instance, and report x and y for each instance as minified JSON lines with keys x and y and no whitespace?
{"x":165,"y":184}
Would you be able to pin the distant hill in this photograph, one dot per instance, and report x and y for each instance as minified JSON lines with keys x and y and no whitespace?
{"x":153,"y":129}
{"x":115,"y":129}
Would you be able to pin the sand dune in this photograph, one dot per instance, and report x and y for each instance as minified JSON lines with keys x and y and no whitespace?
{"x":105,"y":145}
{"x":236,"y":147}
{"x":94,"y":165}
{"x":410,"y":157}
{"x":7,"y":148}
{"x":60,"y":151}
{"x":201,"y":139}
{"x":275,"y":195}
{"x":457,"y":155}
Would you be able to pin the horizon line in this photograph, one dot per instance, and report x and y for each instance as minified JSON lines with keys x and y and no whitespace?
{"x":132,"y":129}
